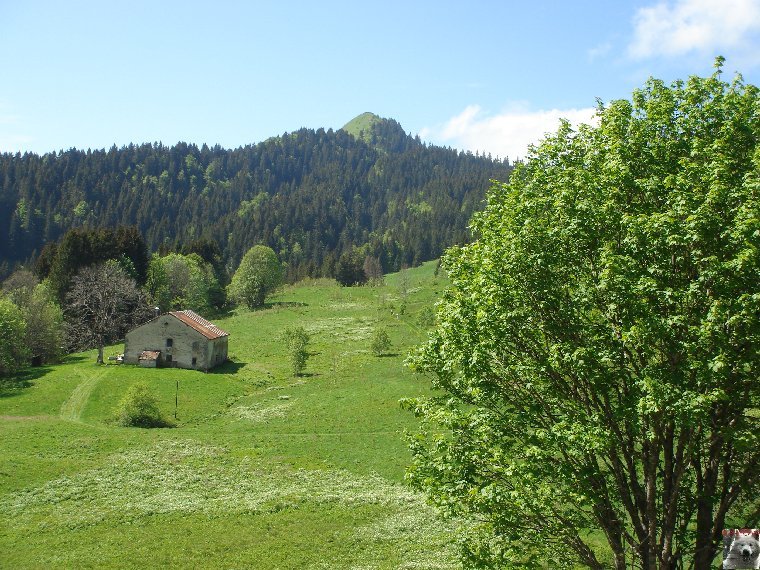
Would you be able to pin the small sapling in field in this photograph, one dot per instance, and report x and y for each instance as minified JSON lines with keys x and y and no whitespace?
{"x":381,"y":342}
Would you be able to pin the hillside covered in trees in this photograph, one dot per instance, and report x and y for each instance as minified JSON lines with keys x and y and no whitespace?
{"x":311,"y":195}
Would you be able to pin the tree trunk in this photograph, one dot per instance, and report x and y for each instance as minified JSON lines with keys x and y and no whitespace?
{"x":100,"y":353}
{"x":704,"y":551}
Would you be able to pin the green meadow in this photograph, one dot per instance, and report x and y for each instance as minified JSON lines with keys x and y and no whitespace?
{"x":261,"y":469}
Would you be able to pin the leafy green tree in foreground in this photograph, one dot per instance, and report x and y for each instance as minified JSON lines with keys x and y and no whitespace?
{"x":597,"y":351}
{"x":259,"y":274}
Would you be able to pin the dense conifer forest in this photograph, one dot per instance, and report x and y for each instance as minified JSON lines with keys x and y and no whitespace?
{"x":311,"y":195}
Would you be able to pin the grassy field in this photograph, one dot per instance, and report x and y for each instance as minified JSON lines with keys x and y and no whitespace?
{"x":262,"y":469}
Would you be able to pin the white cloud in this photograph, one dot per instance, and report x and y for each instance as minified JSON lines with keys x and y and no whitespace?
{"x":507,"y":134}
{"x":599,"y":51}
{"x":705,"y":26}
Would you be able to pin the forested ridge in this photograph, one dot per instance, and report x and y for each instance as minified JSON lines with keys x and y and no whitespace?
{"x":310,"y":195}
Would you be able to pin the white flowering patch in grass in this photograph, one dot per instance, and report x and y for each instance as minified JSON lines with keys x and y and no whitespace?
{"x":418,"y":526}
{"x":342,"y":328}
{"x":432,"y":561}
{"x":262,"y":412}
{"x":187,"y":478}
{"x":348,"y":306}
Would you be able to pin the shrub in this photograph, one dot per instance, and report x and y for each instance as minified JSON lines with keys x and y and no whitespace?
{"x":139,"y":408}
{"x":296,"y":339}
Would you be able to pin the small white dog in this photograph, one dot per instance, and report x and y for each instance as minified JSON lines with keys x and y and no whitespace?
{"x":741,"y":548}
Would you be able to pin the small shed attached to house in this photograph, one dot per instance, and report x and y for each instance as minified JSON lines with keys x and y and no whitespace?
{"x":149,"y":358}
{"x":181,"y":339}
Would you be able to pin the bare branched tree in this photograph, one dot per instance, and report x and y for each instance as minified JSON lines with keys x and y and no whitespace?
{"x":102,"y":304}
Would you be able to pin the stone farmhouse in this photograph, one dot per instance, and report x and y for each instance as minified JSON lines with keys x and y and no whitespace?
{"x":181,"y":339}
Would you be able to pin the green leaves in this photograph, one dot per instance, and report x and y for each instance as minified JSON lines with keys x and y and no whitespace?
{"x":179,"y":282}
{"x":258,"y":275}
{"x":296,"y":340}
{"x":381,"y":342}
{"x":600,"y":337}
{"x":13,"y":351}
{"x":139,"y":408}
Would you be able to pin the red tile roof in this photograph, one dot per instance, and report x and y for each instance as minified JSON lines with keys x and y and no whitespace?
{"x":194,"y":320}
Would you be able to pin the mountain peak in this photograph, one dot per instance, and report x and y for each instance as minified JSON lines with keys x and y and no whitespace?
{"x":385,"y":134}
{"x":362,"y":124}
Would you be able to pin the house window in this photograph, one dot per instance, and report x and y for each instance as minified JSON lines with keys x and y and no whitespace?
{"x":195,"y":361}
{"x":169,"y":342}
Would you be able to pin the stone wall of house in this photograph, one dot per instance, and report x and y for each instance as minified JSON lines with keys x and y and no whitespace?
{"x":217,"y":351}
{"x":180,"y":345}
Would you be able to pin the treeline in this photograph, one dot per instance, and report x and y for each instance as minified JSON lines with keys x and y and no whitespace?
{"x":312,"y":196}
{"x":93,"y":285}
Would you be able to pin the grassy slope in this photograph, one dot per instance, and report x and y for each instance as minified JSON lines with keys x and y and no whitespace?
{"x":262,"y":469}
{"x":361,"y":125}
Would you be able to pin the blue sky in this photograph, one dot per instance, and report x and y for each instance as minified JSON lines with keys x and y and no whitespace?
{"x":488,"y":76}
